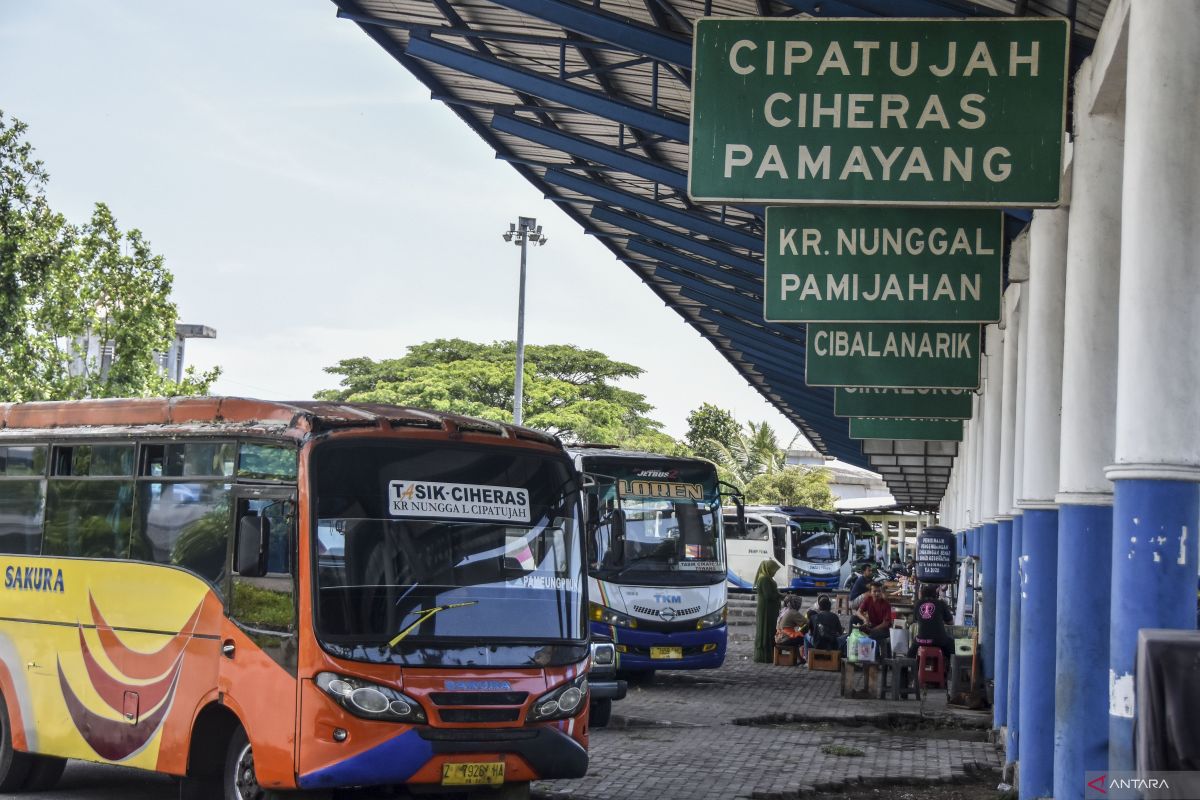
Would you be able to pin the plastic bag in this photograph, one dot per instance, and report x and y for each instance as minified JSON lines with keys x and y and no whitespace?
{"x":866,"y":650}
{"x":852,"y":651}
{"x":899,"y":641}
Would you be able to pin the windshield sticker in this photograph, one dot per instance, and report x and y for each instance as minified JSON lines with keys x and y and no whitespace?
{"x":662,"y":474}
{"x":458,"y":500}
{"x":698,"y":566}
{"x":661,"y":489}
{"x":547,"y":582}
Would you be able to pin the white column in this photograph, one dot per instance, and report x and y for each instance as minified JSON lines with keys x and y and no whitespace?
{"x":1008,"y":401}
{"x":1044,"y":362}
{"x":992,"y":396}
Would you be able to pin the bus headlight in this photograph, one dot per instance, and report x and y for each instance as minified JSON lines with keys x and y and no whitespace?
{"x":797,"y":573}
{"x":714,"y":619}
{"x":563,"y":702}
{"x":369,"y":700}
{"x":607,"y":616}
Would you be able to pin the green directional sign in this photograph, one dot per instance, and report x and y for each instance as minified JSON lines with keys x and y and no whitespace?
{"x":945,"y":430}
{"x":841,"y":264}
{"x":892,"y":355}
{"x":878,"y":111}
{"x":852,"y":401}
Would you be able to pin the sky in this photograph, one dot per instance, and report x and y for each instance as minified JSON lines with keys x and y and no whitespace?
{"x":314,"y":203}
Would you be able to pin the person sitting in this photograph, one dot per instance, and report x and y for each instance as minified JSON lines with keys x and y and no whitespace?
{"x":876,"y":614}
{"x":792,"y":624}
{"x":825,"y":630}
{"x":858,"y":591}
{"x":932,"y":616}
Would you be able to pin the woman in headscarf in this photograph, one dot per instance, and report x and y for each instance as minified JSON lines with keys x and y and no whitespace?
{"x":767,"y":612}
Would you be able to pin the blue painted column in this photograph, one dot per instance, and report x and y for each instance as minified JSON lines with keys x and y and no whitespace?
{"x":1154,"y":553}
{"x":987,"y":625}
{"x":1012,"y":737}
{"x":1003,"y":633}
{"x":1155,"y":494}
{"x":1039,"y":561}
{"x":1081,"y":697}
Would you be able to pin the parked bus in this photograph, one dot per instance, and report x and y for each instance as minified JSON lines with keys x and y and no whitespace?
{"x":656,"y":557}
{"x":814,"y":552}
{"x":271,"y":596}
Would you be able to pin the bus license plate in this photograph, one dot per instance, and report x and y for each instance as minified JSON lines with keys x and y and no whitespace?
{"x":489,"y":773}
{"x":666,"y":652}
{"x":820,"y":583}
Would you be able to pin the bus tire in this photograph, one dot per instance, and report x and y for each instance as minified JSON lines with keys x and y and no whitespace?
{"x":601,"y":713}
{"x":238,"y":778}
{"x":44,"y":773}
{"x":14,"y":766}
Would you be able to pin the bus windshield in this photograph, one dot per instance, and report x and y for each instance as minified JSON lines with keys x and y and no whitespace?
{"x":815,"y":541}
{"x":656,"y":524}
{"x":422,"y":543}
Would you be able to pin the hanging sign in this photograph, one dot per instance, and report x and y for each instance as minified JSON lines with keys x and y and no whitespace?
{"x":838,"y":264}
{"x":878,"y":111}
{"x":851,"y":401}
{"x":941,"y":430}
{"x":892,"y":355}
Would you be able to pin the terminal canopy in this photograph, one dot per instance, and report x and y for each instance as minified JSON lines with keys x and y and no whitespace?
{"x":590,"y":102}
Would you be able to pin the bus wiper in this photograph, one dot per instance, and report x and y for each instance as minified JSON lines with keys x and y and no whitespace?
{"x":656,"y":553}
{"x":426,"y":614}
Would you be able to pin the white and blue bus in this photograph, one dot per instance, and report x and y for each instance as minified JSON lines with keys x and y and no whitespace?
{"x":815,"y":552}
{"x":656,"y":555}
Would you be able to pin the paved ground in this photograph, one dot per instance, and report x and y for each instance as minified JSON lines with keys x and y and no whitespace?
{"x":751,"y":730}
{"x":745,"y":730}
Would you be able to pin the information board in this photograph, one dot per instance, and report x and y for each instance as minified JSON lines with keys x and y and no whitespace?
{"x":937,"y":555}
{"x":851,"y":401}
{"x":839,"y":264}
{"x":940,"y":430}
{"x":878,"y":111}
{"x":884,"y":354}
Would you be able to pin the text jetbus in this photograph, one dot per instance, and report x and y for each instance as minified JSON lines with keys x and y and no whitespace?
{"x":656,"y":557}
{"x":266,"y":597}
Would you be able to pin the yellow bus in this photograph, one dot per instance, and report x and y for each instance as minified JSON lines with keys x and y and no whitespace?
{"x":269,"y":598}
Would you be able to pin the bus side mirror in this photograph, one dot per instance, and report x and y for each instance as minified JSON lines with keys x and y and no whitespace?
{"x":253,"y":541}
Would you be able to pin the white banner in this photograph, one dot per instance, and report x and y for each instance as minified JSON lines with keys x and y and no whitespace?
{"x":458,"y":500}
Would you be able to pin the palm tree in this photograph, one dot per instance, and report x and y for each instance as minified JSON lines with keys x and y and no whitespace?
{"x":746,"y":456}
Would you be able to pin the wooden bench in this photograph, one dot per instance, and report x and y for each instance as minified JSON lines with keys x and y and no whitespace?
{"x":855,"y":687}
{"x":786,"y":655}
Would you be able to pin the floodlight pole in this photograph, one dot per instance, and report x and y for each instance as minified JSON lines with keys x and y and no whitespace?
{"x":524,"y":231}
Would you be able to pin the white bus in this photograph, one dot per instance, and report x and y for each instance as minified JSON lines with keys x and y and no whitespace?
{"x":815,"y":553}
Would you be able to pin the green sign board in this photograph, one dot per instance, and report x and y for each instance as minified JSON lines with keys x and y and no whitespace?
{"x":892,"y":355}
{"x":901,"y":428}
{"x":878,"y":111}
{"x":945,"y":430}
{"x":840,"y":264}
{"x":858,"y":401}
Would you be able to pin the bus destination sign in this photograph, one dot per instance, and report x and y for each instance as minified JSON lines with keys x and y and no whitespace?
{"x":878,"y":111}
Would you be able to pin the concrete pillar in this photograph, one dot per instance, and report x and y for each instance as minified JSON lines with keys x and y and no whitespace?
{"x":1004,"y":555}
{"x":1017,"y":593}
{"x":1156,"y":497}
{"x":989,"y":488}
{"x":1086,"y":444}
{"x":1039,"y":485}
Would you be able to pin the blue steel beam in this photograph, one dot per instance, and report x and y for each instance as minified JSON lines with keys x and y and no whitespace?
{"x":650,"y":208}
{"x":781,"y":334}
{"x":592,"y":151}
{"x":752,"y":267}
{"x":705,"y":295}
{"x":703,"y":269}
{"x":890,"y":8}
{"x":607,"y":27}
{"x":530,"y":82}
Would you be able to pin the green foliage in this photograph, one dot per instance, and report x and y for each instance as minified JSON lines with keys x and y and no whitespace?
{"x":750,"y":454}
{"x":569,"y":391}
{"x":65,"y":287}
{"x":261,"y":608}
{"x":792,"y":486}
{"x":841,"y":750}
{"x":710,"y":429}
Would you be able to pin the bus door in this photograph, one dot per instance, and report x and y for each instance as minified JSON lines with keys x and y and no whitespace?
{"x":259,"y":648}
{"x":747,"y":550}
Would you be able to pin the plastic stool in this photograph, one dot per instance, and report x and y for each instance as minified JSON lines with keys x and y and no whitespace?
{"x":903,"y":674}
{"x":931,"y":667}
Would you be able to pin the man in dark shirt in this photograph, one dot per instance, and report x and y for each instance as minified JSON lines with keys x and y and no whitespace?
{"x":825,"y":631}
{"x":932,"y":617}
{"x":858,"y":591}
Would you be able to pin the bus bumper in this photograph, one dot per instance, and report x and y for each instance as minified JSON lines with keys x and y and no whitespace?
{"x":812,"y":583}
{"x":698,"y":649}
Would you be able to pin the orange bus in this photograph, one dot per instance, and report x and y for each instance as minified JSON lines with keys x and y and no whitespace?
{"x":266,"y":598}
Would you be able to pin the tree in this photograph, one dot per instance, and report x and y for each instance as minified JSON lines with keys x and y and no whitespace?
{"x":569,"y":391}
{"x":748,"y":455}
{"x":66,"y":288}
{"x":792,"y":486}
{"x":709,"y":428}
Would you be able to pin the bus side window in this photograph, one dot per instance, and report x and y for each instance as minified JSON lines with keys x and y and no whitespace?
{"x":22,"y":499}
{"x":186,"y":525}
{"x":779,"y":542}
{"x":89,"y":501}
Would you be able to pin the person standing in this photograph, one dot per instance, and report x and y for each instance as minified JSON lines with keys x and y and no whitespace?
{"x":767,"y":611}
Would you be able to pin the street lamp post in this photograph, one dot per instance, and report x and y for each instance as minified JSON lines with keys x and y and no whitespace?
{"x":523,"y":232}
